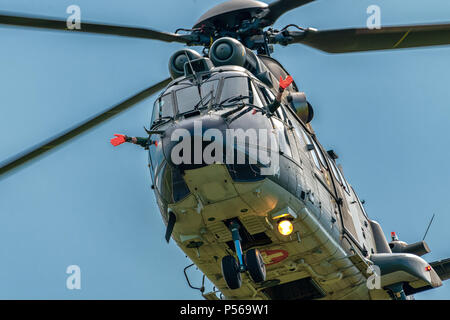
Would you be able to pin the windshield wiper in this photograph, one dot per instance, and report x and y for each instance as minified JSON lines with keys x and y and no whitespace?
{"x":234,"y":99}
{"x":210,"y":94}
{"x":233,"y":111}
{"x":161,"y":120}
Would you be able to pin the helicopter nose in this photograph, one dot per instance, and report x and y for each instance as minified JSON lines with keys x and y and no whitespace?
{"x":246,"y":146}
{"x":193,"y":143}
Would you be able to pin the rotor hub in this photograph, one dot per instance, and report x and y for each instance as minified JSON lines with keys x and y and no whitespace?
{"x":224,"y":13}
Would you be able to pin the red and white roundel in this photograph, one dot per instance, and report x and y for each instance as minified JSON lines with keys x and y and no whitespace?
{"x":273,"y":256}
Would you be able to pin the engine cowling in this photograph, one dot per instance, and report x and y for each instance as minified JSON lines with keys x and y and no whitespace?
{"x":228,"y":51}
{"x":178,"y":59}
{"x":418,"y":248}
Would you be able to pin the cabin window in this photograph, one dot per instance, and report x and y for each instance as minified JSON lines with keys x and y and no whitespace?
{"x":312,"y":152}
{"x":179,"y":186}
{"x":335,"y":172}
{"x":339,"y":176}
{"x":344,"y":182}
{"x":282,"y":138}
{"x":170,"y":184}
{"x":162,"y":182}
{"x":319,"y":153}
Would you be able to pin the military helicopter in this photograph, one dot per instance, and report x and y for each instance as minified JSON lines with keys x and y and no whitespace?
{"x":267,"y":213}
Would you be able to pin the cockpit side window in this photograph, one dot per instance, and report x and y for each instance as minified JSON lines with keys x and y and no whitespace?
{"x":163,"y":107}
{"x":267,"y":94}
{"x":167,"y":106}
{"x":280,"y":114}
{"x":256,"y":99}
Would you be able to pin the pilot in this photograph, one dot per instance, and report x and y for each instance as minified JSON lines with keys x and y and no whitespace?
{"x":283,"y":85}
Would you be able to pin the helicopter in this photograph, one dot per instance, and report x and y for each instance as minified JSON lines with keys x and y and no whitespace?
{"x":299,"y":232}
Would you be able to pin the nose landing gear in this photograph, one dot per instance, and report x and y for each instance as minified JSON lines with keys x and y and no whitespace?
{"x":251,"y":262}
{"x":255,"y":265}
{"x":231,"y":272}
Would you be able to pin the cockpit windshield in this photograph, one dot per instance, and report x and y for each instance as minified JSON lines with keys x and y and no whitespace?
{"x":186,"y":96}
{"x":193,"y":97}
{"x":235,"y":87}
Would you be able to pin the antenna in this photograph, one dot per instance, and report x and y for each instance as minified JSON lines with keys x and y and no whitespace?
{"x":428,"y":227}
{"x":192,"y":68}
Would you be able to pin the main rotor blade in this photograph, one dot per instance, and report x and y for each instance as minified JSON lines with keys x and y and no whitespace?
{"x":280,"y":7}
{"x":363,"y":39}
{"x":124,"y":31}
{"x":78,"y":129}
{"x":442,"y":268}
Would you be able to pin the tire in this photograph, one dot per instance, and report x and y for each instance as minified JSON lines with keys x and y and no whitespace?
{"x":230,"y":272}
{"x":255,"y":265}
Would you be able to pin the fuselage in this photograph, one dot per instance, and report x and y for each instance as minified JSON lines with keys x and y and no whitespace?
{"x":324,"y":256}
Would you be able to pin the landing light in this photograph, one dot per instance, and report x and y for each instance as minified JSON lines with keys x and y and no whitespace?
{"x":285,"y":227}
{"x":286,"y":212}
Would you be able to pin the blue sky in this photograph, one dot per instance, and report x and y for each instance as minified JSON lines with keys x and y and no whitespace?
{"x":386,"y":114}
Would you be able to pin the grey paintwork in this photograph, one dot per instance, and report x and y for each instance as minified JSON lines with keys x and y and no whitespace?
{"x":309,"y":174}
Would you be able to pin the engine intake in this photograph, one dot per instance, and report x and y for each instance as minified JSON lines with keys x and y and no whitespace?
{"x":229,"y":51}
{"x":179,"y":59}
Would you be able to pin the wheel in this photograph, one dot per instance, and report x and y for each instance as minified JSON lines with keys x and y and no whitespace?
{"x":230,"y":272}
{"x":255,"y":265}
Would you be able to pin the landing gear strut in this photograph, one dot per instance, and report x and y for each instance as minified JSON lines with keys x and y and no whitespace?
{"x":251,"y":262}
